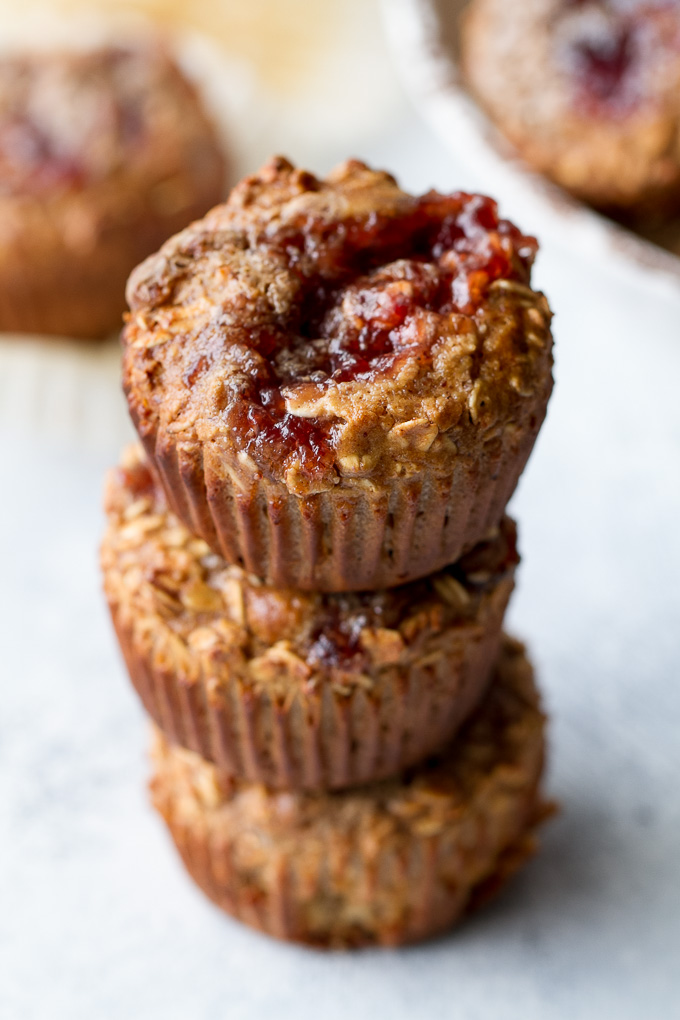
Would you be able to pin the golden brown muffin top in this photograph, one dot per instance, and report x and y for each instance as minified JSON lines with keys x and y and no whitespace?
{"x":498,"y":755}
{"x":69,"y":120}
{"x":323,"y":330}
{"x":172,"y":584}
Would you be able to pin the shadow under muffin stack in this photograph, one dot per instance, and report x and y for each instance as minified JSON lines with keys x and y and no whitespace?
{"x":336,"y":386}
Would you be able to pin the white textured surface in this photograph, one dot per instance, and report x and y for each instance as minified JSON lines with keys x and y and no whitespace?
{"x":97,"y":919}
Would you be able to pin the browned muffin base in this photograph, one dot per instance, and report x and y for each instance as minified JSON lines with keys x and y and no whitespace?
{"x":275,"y":915}
{"x":384,"y":864}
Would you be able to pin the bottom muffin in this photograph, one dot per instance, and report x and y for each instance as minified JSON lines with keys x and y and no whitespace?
{"x":386,"y":863}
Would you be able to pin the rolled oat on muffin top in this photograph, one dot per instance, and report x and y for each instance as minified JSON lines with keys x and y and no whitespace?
{"x":587,"y":90}
{"x":295,"y":689}
{"x":338,"y":382}
{"x":103,"y":154}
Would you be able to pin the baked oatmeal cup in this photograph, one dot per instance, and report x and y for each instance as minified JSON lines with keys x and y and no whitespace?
{"x":588,"y":91}
{"x":103,"y":154}
{"x":289,"y":688}
{"x":386,"y":863}
{"x":339,"y":383}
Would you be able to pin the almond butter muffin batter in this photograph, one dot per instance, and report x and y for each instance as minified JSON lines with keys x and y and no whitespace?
{"x":587,"y":90}
{"x":339,"y":383}
{"x":387,"y":863}
{"x":289,"y":688}
{"x":103,"y":154}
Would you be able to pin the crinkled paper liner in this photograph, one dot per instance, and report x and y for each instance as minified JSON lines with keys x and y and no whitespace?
{"x":332,"y":885}
{"x":353,"y":537}
{"x":321,"y":738}
{"x":282,"y":909}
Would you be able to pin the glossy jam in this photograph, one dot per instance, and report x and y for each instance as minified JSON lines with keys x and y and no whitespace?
{"x":337,"y":644}
{"x":367,"y":304}
{"x":267,"y":434}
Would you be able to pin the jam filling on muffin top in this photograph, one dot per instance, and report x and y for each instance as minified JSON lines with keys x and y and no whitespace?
{"x":67,"y":120}
{"x":359,"y":322}
{"x":288,"y":310}
{"x":612,"y":48}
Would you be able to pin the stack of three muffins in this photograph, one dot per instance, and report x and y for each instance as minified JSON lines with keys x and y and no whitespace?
{"x":337,"y":386}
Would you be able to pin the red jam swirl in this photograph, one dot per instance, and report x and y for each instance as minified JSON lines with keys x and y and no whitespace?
{"x":377,"y":285}
{"x":267,"y":433}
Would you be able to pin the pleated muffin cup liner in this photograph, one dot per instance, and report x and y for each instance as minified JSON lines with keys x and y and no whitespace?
{"x":327,"y":736}
{"x":358,"y":536}
{"x":386,"y":863}
{"x":293,"y":904}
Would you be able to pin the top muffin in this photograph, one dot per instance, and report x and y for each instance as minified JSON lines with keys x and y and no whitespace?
{"x":336,"y":337}
{"x":587,"y":90}
{"x":103,"y":153}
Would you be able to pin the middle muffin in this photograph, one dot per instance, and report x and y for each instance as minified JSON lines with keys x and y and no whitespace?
{"x":339,"y":383}
{"x":287,"y":688}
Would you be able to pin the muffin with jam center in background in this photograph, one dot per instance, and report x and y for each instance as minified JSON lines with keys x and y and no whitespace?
{"x":588,"y":91}
{"x":287,"y":688}
{"x":103,"y":155}
{"x":339,"y":383}
{"x":386,"y":863}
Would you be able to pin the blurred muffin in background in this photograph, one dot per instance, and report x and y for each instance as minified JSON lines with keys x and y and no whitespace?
{"x":103,"y":154}
{"x":301,"y":76}
{"x":380,"y":864}
{"x":588,"y":91}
